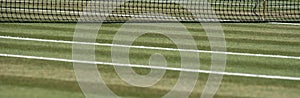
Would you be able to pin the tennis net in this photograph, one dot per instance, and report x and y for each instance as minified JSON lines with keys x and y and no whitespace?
{"x":149,"y":10}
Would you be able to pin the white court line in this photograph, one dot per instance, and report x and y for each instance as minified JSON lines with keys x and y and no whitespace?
{"x":295,"y":24}
{"x":156,"y":67}
{"x":151,"y":48}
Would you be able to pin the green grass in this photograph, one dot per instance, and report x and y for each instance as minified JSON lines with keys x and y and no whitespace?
{"x":27,"y":78}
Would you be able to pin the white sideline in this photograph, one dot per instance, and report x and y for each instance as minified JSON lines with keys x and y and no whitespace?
{"x":156,"y":67}
{"x":151,"y":48}
{"x":295,"y":24}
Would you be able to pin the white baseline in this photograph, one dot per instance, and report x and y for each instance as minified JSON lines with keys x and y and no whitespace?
{"x":156,"y":67}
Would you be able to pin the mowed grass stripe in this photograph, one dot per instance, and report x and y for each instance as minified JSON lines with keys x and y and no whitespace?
{"x":151,"y":40}
{"x":145,"y":47}
{"x":43,"y":81}
{"x":37,"y":70}
{"x":207,"y":47}
{"x":189,"y":70}
{"x":243,"y":29}
{"x":231,"y":33}
{"x":137,"y":54}
{"x":234,"y":42}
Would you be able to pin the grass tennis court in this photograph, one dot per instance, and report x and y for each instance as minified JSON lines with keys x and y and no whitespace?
{"x":30,"y":78}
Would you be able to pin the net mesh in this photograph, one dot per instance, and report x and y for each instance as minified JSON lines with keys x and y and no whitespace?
{"x":149,"y":10}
